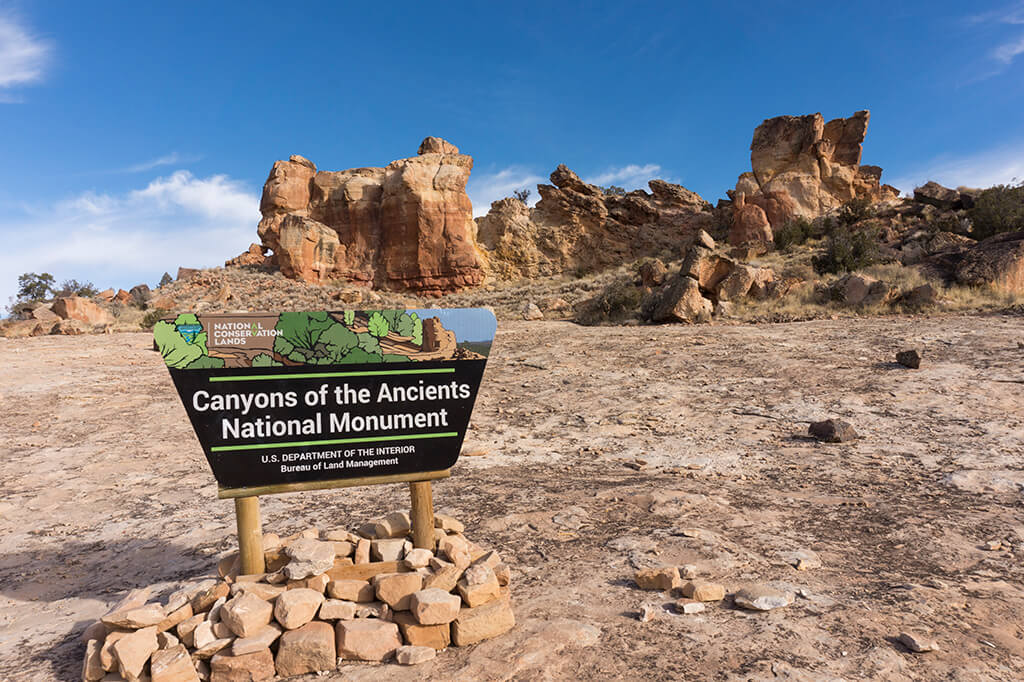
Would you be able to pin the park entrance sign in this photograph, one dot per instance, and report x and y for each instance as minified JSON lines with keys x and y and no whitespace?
{"x":308,"y":400}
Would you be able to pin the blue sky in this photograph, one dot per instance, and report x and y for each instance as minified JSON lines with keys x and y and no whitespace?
{"x":137,"y":135}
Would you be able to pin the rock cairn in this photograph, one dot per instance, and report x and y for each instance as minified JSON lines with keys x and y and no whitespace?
{"x":328,"y":598}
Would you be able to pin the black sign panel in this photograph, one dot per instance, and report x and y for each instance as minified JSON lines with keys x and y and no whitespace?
{"x":295,"y":397}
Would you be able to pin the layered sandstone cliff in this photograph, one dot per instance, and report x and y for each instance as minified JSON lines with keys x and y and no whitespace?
{"x":407,"y":226}
{"x":578,"y":227}
{"x":803,"y":166}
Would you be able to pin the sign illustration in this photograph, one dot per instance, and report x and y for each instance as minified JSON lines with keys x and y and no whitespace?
{"x":279,"y":398}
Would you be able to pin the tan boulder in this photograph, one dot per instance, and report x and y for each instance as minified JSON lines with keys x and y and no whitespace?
{"x":295,"y":608}
{"x":133,"y":651}
{"x":997,"y":262}
{"x":367,"y":640}
{"x":351,"y":590}
{"x":253,"y":256}
{"x":703,"y":591}
{"x":443,"y":578}
{"x":749,"y":224}
{"x":478,"y":585}
{"x":414,"y":655}
{"x":173,"y":665}
{"x":246,"y":614}
{"x":259,"y":640}
{"x":308,"y":649}
{"x":417,"y":634}
{"x":434,"y":606}
{"x":337,"y":609}
{"x":82,"y":310}
{"x":136,"y":618}
{"x":92,"y":666}
{"x":388,"y":549}
{"x":663,"y":578}
{"x":204,"y":600}
{"x":483,"y":622}
{"x":396,"y":589}
{"x":251,"y":667}
{"x":681,"y":301}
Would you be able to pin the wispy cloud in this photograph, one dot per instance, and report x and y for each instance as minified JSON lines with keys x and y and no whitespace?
{"x":1007,"y":52}
{"x":1011,"y":14}
{"x":121,"y":240}
{"x":23,"y":57}
{"x":165,"y":160}
{"x":997,"y":166}
{"x":485,"y":188}
{"x":628,"y":177}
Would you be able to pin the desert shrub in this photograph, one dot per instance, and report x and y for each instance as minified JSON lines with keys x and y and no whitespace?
{"x":794,"y":233}
{"x":34,"y":288}
{"x":998,"y":209}
{"x":165,"y":280}
{"x":848,"y":250}
{"x":854,"y":210}
{"x":614,"y":190}
{"x":152,"y":317}
{"x":616,"y":302}
{"x":522,"y":194}
{"x":72,"y":287}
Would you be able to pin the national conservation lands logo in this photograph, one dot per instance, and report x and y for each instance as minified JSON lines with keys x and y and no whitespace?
{"x":292,"y":397}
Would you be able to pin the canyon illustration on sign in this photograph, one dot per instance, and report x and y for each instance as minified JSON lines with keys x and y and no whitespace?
{"x":279,"y":398}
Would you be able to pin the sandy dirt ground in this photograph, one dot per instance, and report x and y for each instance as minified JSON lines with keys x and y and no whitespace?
{"x":594,"y":450}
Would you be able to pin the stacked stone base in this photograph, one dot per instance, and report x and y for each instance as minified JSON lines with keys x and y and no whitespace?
{"x":327,"y":598}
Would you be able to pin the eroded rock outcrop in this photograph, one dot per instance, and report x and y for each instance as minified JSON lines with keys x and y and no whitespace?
{"x":577,"y":227}
{"x":407,"y":226}
{"x":803,"y":166}
{"x":997,"y":262}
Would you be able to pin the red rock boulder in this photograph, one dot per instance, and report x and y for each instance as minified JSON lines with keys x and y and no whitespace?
{"x":82,"y":310}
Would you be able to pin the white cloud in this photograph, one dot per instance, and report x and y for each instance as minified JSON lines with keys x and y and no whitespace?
{"x":1011,"y":14}
{"x":628,"y":177}
{"x":165,"y":160}
{"x":1006,"y":52}
{"x":122,"y":240}
{"x":23,"y":57}
{"x":485,"y":188}
{"x":1002,"y":165}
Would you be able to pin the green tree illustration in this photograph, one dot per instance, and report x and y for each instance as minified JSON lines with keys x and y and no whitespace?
{"x":264,"y":360}
{"x":301,"y":334}
{"x":349,"y":317}
{"x":176,"y":351}
{"x":338,"y":341}
{"x":378,"y":326}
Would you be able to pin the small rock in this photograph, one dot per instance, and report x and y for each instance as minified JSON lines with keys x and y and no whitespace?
{"x":173,"y":665}
{"x":351,"y":590}
{"x":832,"y":431}
{"x":909,"y":358}
{"x":262,"y":590}
{"x":803,"y":559}
{"x":387,"y":550}
{"x":434,"y":606}
{"x":246,"y":614}
{"x":367,"y":640}
{"x":690,"y":607}
{"x":664,"y":578}
{"x":702,"y":591}
{"x":374,"y":609}
{"x":362,"y":553}
{"x":414,"y":655}
{"x":308,"y":649}
{"x":205,"y":600}
{"x":166,"y":640}
{"x":478,"y":585}
{"x":416,"y":634}
{"x":992,"y":546}
{"x":133,"y":651}
{"x":309,"y":557}
{"x":295,"y":608}
{"x":918,"y":642}
{"x":92,"y":666}
{"x":261,"y":640}
{"x":762,"y":598}
{"x":532,"y":312}
{"x":483,"y":622}
{"x":418,"y":558}
{"x":137,"y":618}
{"x":648,"y":612}
{"x":688,"y":571}
{"x":258,"y":665}
{"x":448,"y":523}
{"x":337,"y":609}
{"x":691,"y":532}
{"x":396,"y":589}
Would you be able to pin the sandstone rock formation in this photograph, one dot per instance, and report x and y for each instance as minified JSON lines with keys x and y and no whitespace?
{"x":407,"y":226}
{"x":576,"y":227}
{"x":997,"y":261}
{"x":803,"y":166}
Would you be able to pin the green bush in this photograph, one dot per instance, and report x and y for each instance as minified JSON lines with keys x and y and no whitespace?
{"x":152,"y":317}
{"x":617,"y":302}
{"x":854,"y":210}
{"x":72,"y":287}
{"x":998,"y":209}
{"x":794,"y":233}
{"x":33,"y":287}
{"x":848,"y":250}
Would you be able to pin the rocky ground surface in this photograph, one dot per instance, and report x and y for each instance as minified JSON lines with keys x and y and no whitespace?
{"x":595,"y":452}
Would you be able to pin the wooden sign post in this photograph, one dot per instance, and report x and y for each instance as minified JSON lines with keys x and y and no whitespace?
{"x":292,"y":402}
